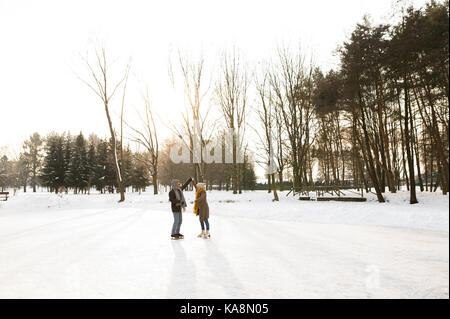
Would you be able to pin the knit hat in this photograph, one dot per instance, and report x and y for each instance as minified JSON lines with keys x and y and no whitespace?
{"x":201,"y":185}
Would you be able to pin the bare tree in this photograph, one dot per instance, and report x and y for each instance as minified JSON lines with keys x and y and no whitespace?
{"x":292,"y":87}
{"x":99,"y":72}
{"x":231,"y":95}
{"x":148,"y":138}
{"x":121,"y":113}
{"x":266,"y":117}
{"x":195,"y":129}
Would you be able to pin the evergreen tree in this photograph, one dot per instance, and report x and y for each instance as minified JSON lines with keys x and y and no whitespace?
{"x":127,"y":167}
{"x":33,"y":156}
{"x":3,"y":172}
{"x":248,"y":176}
{"x":78,"y":170}
{"x":23,"y":172}
{"x":104,"y":170}
{"x":91,"y":163}
{"x":53,"y":171}
{"x":67,"y":155}
{"x":139,"y":177}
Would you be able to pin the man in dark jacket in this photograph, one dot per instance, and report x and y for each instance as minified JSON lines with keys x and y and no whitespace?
{"x":178,"y":203}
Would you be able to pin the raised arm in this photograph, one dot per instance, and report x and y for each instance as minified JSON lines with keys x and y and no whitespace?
{"x":186,"y":184}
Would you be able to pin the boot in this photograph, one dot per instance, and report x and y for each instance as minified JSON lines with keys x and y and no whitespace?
{"x":207,"y":235}
{"x":202,"y":234}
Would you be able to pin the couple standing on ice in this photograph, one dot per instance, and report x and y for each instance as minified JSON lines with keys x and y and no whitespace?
{"x":201,"y":208}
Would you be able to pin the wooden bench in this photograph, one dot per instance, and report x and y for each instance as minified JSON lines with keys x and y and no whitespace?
{"x":4,"y":196}
{"x":342,"y":199}
{"x":336,"y":193}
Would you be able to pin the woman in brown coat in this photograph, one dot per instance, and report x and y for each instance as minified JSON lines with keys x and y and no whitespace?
{"x":201,"y":209}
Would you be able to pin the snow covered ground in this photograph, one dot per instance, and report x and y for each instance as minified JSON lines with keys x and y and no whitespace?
{"x":88,"y":246}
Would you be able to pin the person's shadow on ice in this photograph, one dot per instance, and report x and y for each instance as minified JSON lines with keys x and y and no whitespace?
{"x":182,"y":282}
{"x":220,"y":265}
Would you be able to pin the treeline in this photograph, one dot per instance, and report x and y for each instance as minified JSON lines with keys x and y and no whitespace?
{"x":72,"y":162}
{"x":380,"y":121}
{"x":63,"y":162}
{"x":24,"y":170}
{"x":392,"y":95}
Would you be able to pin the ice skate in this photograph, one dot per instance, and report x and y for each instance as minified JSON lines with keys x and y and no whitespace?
{"x":201,"y":235}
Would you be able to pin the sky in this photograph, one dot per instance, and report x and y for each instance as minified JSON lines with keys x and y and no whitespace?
{"x":42,"y":42}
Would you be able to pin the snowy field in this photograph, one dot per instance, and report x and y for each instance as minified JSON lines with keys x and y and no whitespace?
{"x":88,"y":246}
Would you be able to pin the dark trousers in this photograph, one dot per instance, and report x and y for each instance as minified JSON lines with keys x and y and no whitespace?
{"x":177,"y":220}
{"x":204,"y":223}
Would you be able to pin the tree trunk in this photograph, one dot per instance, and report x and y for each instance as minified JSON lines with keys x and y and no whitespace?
{"x":412,"y":182}
{"x":372,"y":171}
{"x":116,"y":162}
{"x":416,"y":152}
{"x":280,"y":180}
{"x":155,"y":184}
{"x":34,"y":180}
{"x":275,"y":195}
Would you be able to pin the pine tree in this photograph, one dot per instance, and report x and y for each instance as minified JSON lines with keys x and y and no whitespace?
{"x":91,"y":163}
{"x":67,"y":155}
{"x":3,"y":172}
{"x":248,"y":176}
{"x":104,"y":175}
{"x":53,"y":170}
{"x":127,"y":167}
{"x":23,"y":172}
{"x":33,"y":156}
{"x":78,"y":170}
{"x":139,"y":177}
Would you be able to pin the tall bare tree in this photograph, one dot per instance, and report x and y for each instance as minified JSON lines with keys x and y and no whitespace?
{"x":266,"y":117}
{"x":292,"y":87}
{"x":99,"y":84}
{"x":196,"y":129}
{"x":231,"y":95}
{"x":148,"y":138}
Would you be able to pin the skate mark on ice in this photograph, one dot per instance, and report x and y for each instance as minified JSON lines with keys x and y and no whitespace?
{"x":86,"y":240}
{"x":25,"y":232}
